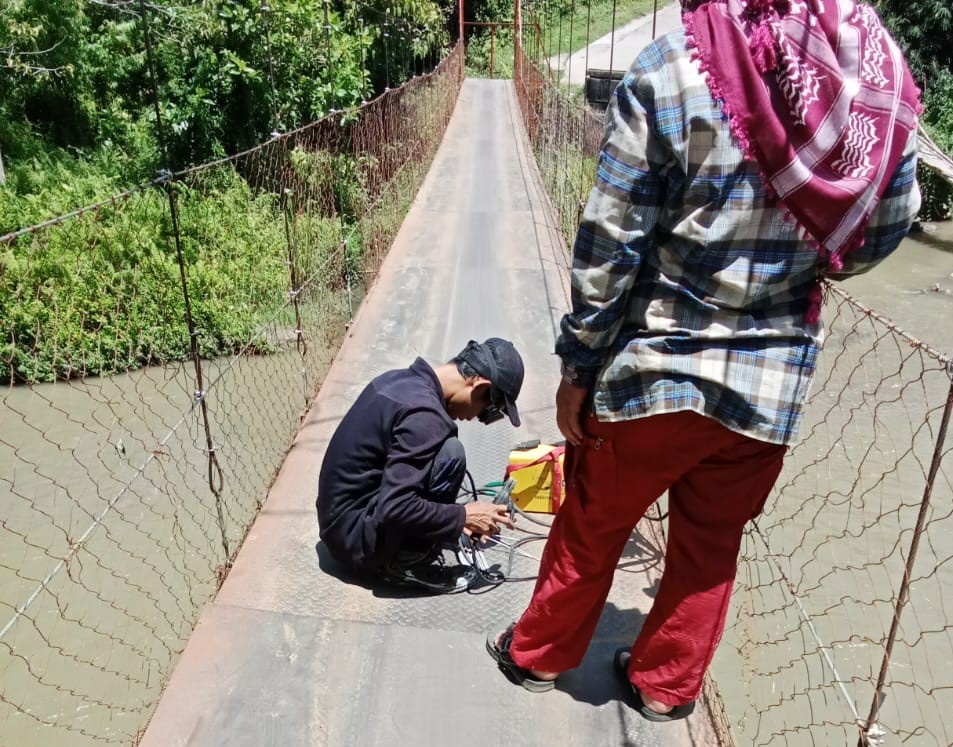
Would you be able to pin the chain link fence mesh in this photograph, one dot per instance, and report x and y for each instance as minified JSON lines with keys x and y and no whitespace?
{"x":158,"y":350}
{"x":840,"y":628}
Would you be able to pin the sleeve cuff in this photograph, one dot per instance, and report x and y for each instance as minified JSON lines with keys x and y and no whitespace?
{"x":577,"y":376}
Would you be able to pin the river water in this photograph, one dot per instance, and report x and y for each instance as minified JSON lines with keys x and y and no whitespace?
{"x":112,"y":537}
{"x":820,"y":573}
{"x":914,"y":286}
{"x":125,"y":460}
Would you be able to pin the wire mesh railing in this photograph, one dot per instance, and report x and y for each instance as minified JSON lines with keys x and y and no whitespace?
{"x":841,"y":631}
{"x":158,"y":350}
{"x":130,"y":477}
{"x":565,"y":135}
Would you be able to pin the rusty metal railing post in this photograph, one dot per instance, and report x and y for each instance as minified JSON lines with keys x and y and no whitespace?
{"x":167,"y":181}
{"x":517,"y":41}
{"x":904,"y":592}
{"x":492,"y":51}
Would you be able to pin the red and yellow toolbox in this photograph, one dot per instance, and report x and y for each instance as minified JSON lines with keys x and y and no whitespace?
{"x":538,"y":472}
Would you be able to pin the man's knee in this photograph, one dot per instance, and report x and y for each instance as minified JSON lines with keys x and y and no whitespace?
{"x":447,"y":471}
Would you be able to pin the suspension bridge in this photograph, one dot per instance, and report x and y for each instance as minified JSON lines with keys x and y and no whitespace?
{"x":290,"y":652}
{"x":187,"y":463}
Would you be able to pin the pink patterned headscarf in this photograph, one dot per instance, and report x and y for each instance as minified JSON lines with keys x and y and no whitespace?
{"x":819,"y":95}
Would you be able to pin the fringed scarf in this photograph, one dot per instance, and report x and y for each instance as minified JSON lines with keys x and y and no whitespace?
{"x":819,"y":95}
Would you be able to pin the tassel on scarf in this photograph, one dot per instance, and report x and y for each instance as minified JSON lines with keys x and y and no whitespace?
{"x":764,"y":49}
{"x":765,"y":16}
{"x":814,"y":300}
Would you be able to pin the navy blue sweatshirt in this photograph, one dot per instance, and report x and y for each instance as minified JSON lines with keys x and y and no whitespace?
{"x":371,"y":491}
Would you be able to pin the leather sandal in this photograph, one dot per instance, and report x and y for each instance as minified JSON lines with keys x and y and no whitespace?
{"x":620,"y":662}
{"x":514,"y":672}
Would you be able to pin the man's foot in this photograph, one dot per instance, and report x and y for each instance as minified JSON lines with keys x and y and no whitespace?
{"x":656,"y":706}
{"x":434,"y":577}
{"x":648,"y":708}
{"x":534,"y":680}
{"x":502,"y":640}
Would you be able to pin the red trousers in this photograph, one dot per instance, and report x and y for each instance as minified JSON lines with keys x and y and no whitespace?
{"x":717,"y":481}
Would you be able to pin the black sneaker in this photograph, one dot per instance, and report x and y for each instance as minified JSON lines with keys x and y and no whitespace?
{"x":434,"y":577}
{"x":409,"y":556}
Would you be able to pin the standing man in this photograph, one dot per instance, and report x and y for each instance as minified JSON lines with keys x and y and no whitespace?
{"x":394,"y":466}
{"x":767,"y":145}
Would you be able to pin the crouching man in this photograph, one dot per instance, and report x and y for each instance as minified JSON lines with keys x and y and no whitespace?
{"x":394,"y":466}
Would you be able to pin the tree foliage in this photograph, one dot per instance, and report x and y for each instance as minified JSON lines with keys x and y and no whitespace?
{"x":924,"y":29}
{"x":96,"y":95}
{"x":76,"y":79}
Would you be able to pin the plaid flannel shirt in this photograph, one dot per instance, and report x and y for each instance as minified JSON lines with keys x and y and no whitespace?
{"x":689,"y":286}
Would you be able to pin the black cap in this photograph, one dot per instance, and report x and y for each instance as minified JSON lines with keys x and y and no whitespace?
{"x":498,"y":361}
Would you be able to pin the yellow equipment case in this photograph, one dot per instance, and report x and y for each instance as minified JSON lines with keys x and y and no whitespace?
{"x":538,"y":472}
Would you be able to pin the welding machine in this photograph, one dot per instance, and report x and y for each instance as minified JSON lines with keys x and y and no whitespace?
{"x":537,"y":469}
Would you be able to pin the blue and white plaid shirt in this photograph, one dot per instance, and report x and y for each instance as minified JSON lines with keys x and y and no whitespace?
{"x":689,"y":286}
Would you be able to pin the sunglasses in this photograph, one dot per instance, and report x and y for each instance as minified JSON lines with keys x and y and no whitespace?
{"x":494,"y":411}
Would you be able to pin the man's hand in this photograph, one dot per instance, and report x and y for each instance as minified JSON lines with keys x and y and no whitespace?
{"x":485,"y":518}
{"x":569,"y":402}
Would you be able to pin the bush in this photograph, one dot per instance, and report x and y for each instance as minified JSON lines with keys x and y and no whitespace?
{"x":938,"y":121}
{"x":332,"y":183}
{"x":101,"y":293}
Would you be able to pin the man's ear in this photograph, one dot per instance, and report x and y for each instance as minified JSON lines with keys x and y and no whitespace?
{"x":478,"y":382}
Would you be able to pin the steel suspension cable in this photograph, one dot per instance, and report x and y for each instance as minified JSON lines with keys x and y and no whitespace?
{"x":612,"y":40}
{"x":216,"y":476}
{"x":588,"y":33}
{"x":572,"y":16}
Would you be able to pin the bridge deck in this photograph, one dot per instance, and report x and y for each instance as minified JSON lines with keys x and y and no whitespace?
{"x":292,"y":652}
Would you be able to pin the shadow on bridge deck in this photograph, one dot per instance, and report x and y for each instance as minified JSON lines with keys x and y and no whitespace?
{"x":291,"y":652}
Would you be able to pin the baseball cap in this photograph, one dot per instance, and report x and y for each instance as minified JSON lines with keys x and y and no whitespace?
{"x":497,"y":360}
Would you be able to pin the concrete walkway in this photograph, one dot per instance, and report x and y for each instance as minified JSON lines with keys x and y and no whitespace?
{"x":293,"y":652}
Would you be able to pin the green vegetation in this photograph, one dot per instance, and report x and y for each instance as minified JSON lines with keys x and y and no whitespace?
{"x":490,"y":55}
{"x":938,"y":121}
{"x":569,"y":26}
{"x":78,"y":93}
{"x":567,"y":174}
{"x":924,"y":29}
{"x":101,"y":292}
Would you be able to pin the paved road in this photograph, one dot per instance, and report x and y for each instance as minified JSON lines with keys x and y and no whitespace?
{"x":617,"y":51}
{"x":294,"y":653}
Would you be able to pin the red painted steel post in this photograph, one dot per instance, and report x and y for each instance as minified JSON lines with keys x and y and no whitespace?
{"x":492,"y":49}
{"x":517,"y":40}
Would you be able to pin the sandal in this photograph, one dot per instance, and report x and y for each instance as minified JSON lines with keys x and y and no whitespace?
{"x":514,"y":672}
{"x":620,"y":663}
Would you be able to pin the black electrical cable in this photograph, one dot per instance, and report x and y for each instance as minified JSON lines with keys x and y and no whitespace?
{"x":470,"y":546}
